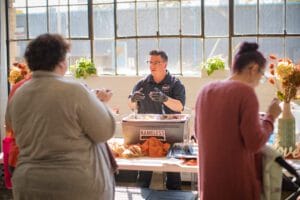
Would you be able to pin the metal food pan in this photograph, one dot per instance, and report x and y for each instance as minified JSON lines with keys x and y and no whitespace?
{"x":157,"y":117}
{"x":167,"y":128}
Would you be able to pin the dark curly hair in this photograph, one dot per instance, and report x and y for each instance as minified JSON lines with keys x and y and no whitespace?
{"x":246,"y":55}
{"x":46,"y":51}
{"x":160,"y":53}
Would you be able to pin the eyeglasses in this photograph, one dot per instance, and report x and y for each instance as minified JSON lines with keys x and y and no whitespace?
{"x":264,"y":77}
{"x":153,"y":63}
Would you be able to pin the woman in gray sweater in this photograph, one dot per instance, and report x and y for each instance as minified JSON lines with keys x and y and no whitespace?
{"x":61,"y":129}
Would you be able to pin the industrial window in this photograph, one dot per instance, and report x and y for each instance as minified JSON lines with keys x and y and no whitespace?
{"x":118,"y":34}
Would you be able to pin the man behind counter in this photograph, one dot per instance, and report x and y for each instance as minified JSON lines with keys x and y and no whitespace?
{"x":158,"y":93}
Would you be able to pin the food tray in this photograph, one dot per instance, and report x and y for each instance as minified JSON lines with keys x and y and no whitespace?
{"x":185,"y":151}
{"x":169,"y":128}
{"x":156,"y":118}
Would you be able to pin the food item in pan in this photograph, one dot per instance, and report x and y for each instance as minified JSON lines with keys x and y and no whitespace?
{"x":182,"y":150}
{"x":132,"y":151}
{"x":151,"y":147}
{"x":135,"y":150}
{"x":155,"y":148}
{"x":117,"y":149}
{"x":166,"y":117}
{"x":190,"y":162}
{"x":126,"y":151}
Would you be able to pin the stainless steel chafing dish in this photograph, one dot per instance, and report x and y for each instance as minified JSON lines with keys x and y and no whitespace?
{"x":169,"y":128}
{"x":157,"y":117}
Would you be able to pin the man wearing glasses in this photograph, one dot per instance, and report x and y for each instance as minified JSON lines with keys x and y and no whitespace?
{"x":158,"y":93}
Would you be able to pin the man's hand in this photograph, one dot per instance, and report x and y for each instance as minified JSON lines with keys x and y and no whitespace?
{"x":103,"y":95}
{"x":158,"y":96}
{"x":137,"y":96}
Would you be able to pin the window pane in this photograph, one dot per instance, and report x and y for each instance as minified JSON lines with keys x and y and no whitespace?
{"x":37,"y":21}
{"x":17,"y":3}
{"x":245,"y":17}
{"x":192,"y":55}
{"x":172,"y":48}
{"x":57,"y":2}
{"x":79,"y":21}
{"x":271,"y":16}
{"x":125,"y":0}
{"x":216,"y":47}
{"x":292,"y":49}
{"x":216,"y":18}
{"x":126,"y":57}
{"x":144,"y":47}
{"x":77,"y":2}
{"x":79,"y":49}
{"x":104,"y":21}
{"x":191,"y":17}
{"x":102,"y":1}
{"x":169,"y":17}
{"x":147,"y":18}
{"x":18,"y":27}
{"x":126,"y":19}
{"x":36,"y":3}
{"x":293,"y":16}
{"x":17,"y":50}
{"x":271,"y":46}
{"x":58,"y":20}
{"x":104,"y":56}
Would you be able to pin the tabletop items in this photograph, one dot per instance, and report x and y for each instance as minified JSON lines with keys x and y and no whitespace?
{"x":151,"y":147}
{"x":183,"y":150}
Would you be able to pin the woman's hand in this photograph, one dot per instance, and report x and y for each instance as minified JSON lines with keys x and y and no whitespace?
{"x":274,"y":109}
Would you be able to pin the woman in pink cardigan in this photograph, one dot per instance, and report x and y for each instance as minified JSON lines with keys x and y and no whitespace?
{"x":230,"y":131}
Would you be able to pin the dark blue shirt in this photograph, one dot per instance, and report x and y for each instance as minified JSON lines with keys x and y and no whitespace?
{"x":170,"y":85}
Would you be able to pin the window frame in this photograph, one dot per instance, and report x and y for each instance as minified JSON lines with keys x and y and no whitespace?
{"x":90,"y":5}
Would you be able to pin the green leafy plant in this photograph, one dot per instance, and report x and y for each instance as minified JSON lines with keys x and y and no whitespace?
{"x":212,"y":64}
{"x":83,"y":68}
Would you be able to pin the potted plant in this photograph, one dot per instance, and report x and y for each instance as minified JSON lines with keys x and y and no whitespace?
{"x":213,"y":64}
{"x":83,"y":68}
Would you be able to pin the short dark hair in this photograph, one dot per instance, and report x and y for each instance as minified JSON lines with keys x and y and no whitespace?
{"x":246,"y":55}
{"x":46,"y":51}
{"x":160,"y":53}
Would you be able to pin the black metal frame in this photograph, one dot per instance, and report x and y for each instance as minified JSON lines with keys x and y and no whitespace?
{"x":7,"y":42}
{"x":90,"y":37}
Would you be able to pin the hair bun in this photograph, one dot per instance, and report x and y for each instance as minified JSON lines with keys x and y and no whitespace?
{"x":248,"y":47}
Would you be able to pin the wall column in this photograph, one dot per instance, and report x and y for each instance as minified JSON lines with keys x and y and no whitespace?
{"x":3,"y":69}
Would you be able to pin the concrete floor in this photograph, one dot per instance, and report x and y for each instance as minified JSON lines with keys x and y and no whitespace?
{"x":4,"y":193}
{"x":125,"y":190}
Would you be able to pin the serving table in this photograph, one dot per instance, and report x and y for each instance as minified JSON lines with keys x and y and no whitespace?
{"x":162,"y":164}
{"x":159,"y":164}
